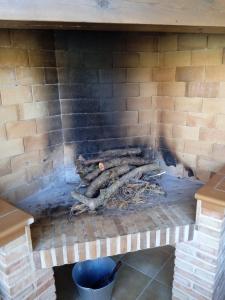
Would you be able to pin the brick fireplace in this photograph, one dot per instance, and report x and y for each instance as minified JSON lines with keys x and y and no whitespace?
{"x":70,"y":92}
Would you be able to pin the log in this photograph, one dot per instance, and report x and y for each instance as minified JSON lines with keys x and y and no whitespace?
{"x":120,"y":152}
{"x":134,"y":161}
{"x":105,"y":194}
{"x":112,"y":153}
{"x":105,"y":177}
{"x":84,"y":170}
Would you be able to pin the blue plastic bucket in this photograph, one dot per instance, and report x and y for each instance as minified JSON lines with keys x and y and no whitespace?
{"x":86,"y":273}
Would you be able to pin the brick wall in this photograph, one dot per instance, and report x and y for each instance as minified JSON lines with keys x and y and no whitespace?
{"x":81,"y":92}
{"x":190,"y":102}
{"x":30,"y":122}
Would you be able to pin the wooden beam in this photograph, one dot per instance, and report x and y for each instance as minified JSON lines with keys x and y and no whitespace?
{"x":198,"y":13}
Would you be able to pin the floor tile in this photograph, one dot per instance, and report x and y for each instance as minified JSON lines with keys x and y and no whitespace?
{"x":165,"y":276}
{"x":156,"y":291}
{"x":129,"y":284}
{"x":147,"y":261}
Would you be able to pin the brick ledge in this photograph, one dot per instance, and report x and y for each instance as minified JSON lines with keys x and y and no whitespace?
{"x":12,"y":222}
{"x":214,"y":191}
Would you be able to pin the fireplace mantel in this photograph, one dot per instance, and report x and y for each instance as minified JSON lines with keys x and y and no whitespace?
{"x":159,"y":15}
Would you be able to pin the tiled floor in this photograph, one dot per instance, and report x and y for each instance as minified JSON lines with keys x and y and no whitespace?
{"x":144,"y":275}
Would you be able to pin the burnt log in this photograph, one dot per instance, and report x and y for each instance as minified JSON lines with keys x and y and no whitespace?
{"x":102,"y":180}
{"x":105,"y":194}
{"x":102,"y":166}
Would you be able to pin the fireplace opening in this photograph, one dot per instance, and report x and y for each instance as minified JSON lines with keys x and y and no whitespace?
{"x":69,"y":96}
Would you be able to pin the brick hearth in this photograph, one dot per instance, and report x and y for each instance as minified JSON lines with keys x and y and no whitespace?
{"x":57,"y":241}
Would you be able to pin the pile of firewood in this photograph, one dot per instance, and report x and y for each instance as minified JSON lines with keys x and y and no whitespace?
{"x":105,"y":174}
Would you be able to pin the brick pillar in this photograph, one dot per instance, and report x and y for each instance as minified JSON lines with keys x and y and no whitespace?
{"x":200,"y":265}
{"x":18,"y":278}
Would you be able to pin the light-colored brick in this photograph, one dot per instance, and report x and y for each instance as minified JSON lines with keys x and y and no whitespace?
{"x":33,"y":110}
{"x":161,"y":130}
{"x":148,"y":89}
{"x":163,"y":102}
{"x":7,"y":75}
{"x":8,"y":113}
{"x":213,"y":105}
{"x":149,"y":59}
{"x":147,"y":116}
{"x":216,"y":41}
{"x":11,"y":148}
{"x":201,"y":120}
{"x":13,"y":57}
{"x":5,"y":38}
{"x":20,"y":129}
{"x":197,"y":147}
{"x":207,"y":57}
{"x":187,"y":159}
{"x":32,"y":39}
{"x":188,"y":104}
{"x":221,"y":90}
{"x":2,"y":133}
{"x":203,"y":89}
{"x":212,"y":135}
{"x":16,"y":95}
{"x":215,"y":73}
{"x":142,"y":42}
{"x":126,"y":60}
{"x":176,"y":89}
{"x":27,"y":75}
{"x":5,"y":167}
{"x":184,"y":132}
{"x":25,"y":160}
{"x":178,"y":118}
{"x":126,"y":90}
{"x":42,"y":141}
{"x":12,"y":180}
{"x":218,"y":151}
{"x":35,"y":172}
{"x":117,"y":75}
{"x":220,"y":121}
{"x":139,"y":103}
{"x":168,"y":42}
{"x":190,"y":73}
{"x":42,"y":58}
{"x":192,"y":41}
{"x":176,"y":58}
{"x":45,"y":92}
{"x":139,"y":74}
{"x":163,"y":74}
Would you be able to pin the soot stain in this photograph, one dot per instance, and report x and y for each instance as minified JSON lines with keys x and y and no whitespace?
{"x":168,"y":157}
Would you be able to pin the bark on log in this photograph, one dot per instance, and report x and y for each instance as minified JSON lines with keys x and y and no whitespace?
{"x":120,"y":152}
{"x":105,"y":194}
{"x":134,"y":161}
{"x":112,"y":153}
{"x":105,"y":177}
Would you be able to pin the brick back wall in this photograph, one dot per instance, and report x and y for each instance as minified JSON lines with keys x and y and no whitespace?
{"x":30,"y":123}
{"x":165,"y":90}
{"x":106,"y":89}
